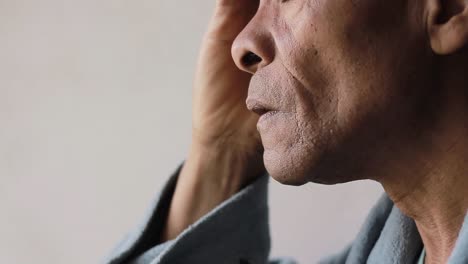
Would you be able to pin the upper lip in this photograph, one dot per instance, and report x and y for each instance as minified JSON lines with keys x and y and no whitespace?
{"x":257,"y":106}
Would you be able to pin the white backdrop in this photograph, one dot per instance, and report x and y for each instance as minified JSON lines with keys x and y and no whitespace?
{"x":95,"y":114}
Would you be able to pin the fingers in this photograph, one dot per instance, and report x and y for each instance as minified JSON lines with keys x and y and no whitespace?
{"x":230,"y":17}
{"x":244,"y":7}
{"x":238,"y":3}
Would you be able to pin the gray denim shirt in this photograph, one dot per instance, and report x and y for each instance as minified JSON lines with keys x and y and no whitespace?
{"x":237,"y":232}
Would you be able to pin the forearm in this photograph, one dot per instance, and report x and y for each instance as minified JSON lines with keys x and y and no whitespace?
{"x":208,"y":177}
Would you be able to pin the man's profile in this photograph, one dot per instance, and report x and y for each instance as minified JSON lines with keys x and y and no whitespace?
{"x":322,"y":91}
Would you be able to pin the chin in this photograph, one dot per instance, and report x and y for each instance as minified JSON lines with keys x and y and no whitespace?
{"x":283,"y":171}
{"x":297,"y":170}
{"x":287,"y":179}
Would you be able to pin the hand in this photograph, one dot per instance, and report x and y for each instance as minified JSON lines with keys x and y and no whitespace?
{"x":221,"y":120}
{"x":226,"y":151}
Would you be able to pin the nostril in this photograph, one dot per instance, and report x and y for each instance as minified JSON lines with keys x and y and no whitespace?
{"x":250,"y":59}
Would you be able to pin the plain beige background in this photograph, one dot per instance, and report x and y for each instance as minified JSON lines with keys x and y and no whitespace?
{"x":95,"y":115}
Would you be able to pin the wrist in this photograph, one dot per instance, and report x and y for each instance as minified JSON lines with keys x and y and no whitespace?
{"x":209,"y":176}
{"x":218,"y":169}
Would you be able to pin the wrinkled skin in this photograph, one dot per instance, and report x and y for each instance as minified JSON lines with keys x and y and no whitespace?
{"x":346,"y":90}
{"x":349,"y":82}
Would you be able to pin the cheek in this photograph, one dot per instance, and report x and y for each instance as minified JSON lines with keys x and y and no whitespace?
{"x":310,"y":77}
{"x":349,"y":71}
{"x":308,"y":50}
{"x":343,"y":52}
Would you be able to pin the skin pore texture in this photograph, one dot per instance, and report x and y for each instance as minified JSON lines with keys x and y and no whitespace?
{"x":358,"y":91}
{"x":346,"y":90}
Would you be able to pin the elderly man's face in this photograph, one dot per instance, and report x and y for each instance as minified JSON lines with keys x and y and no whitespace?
{"x":344,"y":82}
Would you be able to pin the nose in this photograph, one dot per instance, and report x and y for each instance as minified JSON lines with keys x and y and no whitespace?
{"x":253,"y":48}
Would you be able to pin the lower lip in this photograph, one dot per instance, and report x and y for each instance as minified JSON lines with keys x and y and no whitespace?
{"x":266,"y":117}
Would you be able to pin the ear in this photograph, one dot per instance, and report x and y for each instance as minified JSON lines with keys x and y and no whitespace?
{"x":447,"y":25}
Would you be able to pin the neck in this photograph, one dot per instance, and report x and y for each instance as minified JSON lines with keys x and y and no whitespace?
{"x":434,"y":189}
{"x":438,"y":205}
